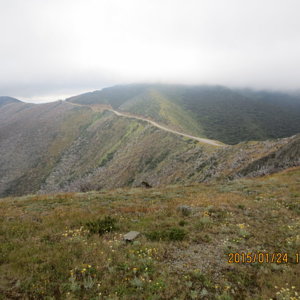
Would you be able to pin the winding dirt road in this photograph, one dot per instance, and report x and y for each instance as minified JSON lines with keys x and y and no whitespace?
{"x":127,"y":115}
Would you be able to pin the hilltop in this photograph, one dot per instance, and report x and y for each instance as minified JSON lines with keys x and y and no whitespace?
{"x":70,"y":246}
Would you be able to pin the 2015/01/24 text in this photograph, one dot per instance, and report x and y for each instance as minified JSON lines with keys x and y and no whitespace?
{"x":263,"y":257}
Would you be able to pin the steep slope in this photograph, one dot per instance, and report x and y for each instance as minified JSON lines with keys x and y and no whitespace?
{"x":287,"y":156}
{"x":232,"y":117}
{"x":60,"y":146}
{"x":250,"y":159}
{"x":32,"y":139}
{"x":116,"y":151}
{"x":214,"y":112}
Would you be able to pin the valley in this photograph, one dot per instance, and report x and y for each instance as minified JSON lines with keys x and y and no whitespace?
{"x":105,"y":140}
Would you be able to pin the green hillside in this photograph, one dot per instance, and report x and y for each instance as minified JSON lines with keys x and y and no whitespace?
{"x":214,"y":112}
{"x":62,"y":147}
{"x":156,"y":105}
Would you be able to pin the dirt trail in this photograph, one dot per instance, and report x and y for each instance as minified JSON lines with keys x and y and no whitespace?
{"x":128,"y":115}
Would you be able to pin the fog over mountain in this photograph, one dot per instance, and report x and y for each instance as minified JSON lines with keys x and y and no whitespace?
{"x":149,"y":149}
{"x":161,"y":134}
{"x":53,"y":49}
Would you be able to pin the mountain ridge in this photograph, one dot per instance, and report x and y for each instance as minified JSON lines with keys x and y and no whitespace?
{"x":128,"y":115}
{"x":212,"y":112}
{"x":65,"y":147}
{"x":7,"y":100}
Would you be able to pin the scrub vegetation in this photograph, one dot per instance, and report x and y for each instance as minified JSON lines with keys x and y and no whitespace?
{"x":70,"y":245}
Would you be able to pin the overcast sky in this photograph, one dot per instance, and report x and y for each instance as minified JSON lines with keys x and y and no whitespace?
{"x":51,"y":49}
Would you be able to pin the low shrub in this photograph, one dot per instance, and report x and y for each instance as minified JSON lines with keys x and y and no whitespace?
{"x":102,"y":226}
{"x":182,"y":223}
{"x":172,"y":234}
{"x":203,"y":223}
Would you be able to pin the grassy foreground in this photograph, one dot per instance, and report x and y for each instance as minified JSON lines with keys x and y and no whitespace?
{"x":70,"y":246}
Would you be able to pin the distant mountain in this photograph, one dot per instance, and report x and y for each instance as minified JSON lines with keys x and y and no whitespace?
{"x":68,"y":146}
{"x":7,"y":100}
{"x":215,"y":112}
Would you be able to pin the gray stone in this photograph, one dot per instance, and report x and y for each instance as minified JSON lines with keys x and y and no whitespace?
{"x":131,"y":235}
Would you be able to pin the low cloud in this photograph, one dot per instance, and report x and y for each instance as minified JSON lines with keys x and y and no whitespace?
{"x":62,"y":47}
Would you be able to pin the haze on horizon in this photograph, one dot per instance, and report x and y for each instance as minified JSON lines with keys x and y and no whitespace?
{"x":55,"y":48}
